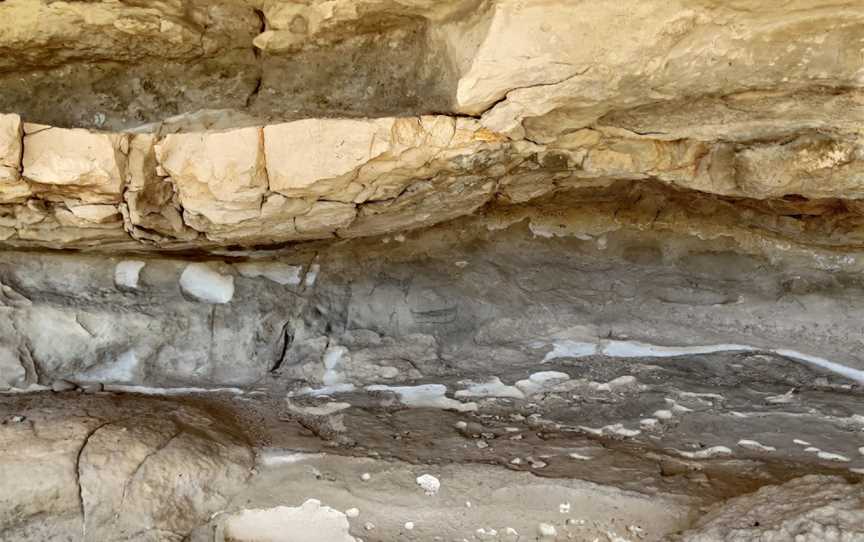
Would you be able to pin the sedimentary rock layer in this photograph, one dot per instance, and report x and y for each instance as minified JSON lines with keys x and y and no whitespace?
{"x":515,"y":100}
{"x":419,"y":270}
{"x":327,"y":178}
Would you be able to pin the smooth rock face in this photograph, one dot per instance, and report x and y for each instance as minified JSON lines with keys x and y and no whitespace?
{"x":10,"y":158}
{"x":309,"y":522}
{"x":206,"y":284}
{"x":12,"y":373}
{"x":114,"y":474}
{"x":340,"y":147}
{"x":75,"y":164}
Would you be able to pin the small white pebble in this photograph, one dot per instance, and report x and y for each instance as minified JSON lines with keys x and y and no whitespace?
{"x":467,"y":504}
{"x":538,"y":464}
{"x":546,"y":530}
{"x":19,"y":419}
{"x":581,"y":457}
{"x":828,"y":456}
{"x":126,"y":273}
{"x":800,"y":442}
{"x":755,"y":446}
{"x":409,"y":525}
{"x":516,"y":461}
{"x":482,"y":444}
{"x":511,"y":531}
{"x":352,"y":512}
{"x":461,"y":425}
{"x":564,"y":508}
{"x":860,"y":450}
{"x":429,"y":483}
{"x":648,"y":422}
{"x":369,"y":526}
{"x":663,"y":415}
{"x":365,"y":476}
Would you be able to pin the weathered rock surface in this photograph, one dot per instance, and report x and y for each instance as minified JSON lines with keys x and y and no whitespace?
{"x":710,"y":97}
{"x":809,"y":509}
{"x":91,"y":470}
{"x":619,"y":241}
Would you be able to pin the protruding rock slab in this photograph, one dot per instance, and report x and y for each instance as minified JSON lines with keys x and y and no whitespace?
{"x":75,"y":164}
{"x":11,"y":189}
{"x":218,"y":175}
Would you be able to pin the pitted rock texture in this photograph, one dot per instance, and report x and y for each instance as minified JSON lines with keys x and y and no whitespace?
{"x":809,"y":509}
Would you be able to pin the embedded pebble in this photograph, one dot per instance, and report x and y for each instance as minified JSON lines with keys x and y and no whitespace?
{"x":429,"y":483}
{"x":574,"y":455}
{"x":707,"y":453}
{"x":564,"y":508}
{"x":126,"y":273}
{"x":352,"y":512}
{"x":545,"y":530}
{"x":204,"y":283}
{"x":486,"y":533}
{"x":755,"y":446}
{"x":409,"y":525}
{"x":648,"y":422}
{"x":828,"y":456}
{"x":369,"y":526}
{"x":365,"y":476}
{"x":62,"y":385}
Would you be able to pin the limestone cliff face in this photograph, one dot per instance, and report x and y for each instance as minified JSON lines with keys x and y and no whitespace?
{"x":594,"y":266}
{"x":761,"y":104}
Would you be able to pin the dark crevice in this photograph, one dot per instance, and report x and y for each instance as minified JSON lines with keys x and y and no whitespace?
{"x":78,"y":477}
{"x":287,"y":341}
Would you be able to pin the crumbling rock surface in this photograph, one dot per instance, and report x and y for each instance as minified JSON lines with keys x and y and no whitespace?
{"x":807,"y":509}
{"x":594,"y":267}
{"x":517,"y":100}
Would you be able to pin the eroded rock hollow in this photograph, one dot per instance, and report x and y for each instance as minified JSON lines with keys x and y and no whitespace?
{"x":378,"y":270}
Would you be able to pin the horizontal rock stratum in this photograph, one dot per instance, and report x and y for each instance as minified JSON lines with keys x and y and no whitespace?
{"x":428,"y":270}
{"x":725,"y":98}
{"x":325,"y":178}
